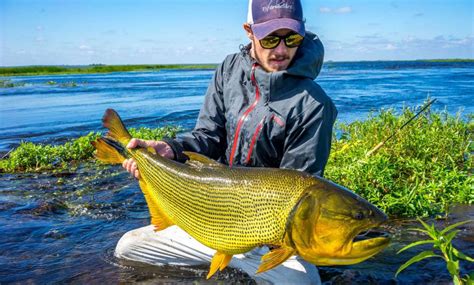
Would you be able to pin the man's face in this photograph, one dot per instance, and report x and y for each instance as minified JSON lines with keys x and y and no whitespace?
{"x":276,"y":59}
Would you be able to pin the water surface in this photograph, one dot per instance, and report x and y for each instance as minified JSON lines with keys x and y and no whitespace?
{"x":63,"y":227}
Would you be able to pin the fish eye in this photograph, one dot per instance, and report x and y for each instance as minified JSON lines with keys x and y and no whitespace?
{"x":359,"y":216}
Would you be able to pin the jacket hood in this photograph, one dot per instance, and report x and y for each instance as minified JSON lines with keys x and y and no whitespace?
{"x":308,"y":59}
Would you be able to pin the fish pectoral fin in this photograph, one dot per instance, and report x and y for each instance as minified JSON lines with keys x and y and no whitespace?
{"x":158,"y":217}
{"x":274,"y":258}
{"x":219,"y":261}
{"x":198,"y":160}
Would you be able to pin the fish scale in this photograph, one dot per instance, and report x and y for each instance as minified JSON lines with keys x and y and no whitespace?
{"x":205,"y":207}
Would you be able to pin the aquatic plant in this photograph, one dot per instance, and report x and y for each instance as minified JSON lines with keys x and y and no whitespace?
{"x":30,"y":156}
{"x":420,"y":172}
{"x":10,"y":84}
{"x":442,"y":242}
{"x":64,"y":84}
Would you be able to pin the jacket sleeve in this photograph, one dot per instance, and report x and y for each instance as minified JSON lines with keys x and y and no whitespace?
{"x":308,"y":140}
{"x":208,"y":136}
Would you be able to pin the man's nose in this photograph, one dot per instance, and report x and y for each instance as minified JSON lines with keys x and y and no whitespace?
{"x":281,"y":48}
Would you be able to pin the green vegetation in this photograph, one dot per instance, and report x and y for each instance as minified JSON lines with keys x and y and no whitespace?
{"x":420,"y":172}
{"x":38,"y":157}
{"x":95,"y":68}
{"x":63,"y":84}
{"x":449,"y":60}
{"x":441,"y":241}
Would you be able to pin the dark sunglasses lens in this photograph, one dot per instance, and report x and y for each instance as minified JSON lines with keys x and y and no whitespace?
{"x":269,"y":42}
{"x":293,"y":40}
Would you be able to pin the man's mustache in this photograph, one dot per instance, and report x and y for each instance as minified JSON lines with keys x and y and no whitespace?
{"x":279,"y":58}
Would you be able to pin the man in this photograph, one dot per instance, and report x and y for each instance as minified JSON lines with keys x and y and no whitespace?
{"x":262,"y":107}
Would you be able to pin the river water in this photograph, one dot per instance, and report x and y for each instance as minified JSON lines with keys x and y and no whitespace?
{"x":63,"y":227}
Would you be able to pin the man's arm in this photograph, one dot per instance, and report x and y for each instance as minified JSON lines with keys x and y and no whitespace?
{"x":308,"y":142}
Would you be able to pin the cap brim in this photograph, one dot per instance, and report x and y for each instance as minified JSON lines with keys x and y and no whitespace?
{"x":262,"y":30}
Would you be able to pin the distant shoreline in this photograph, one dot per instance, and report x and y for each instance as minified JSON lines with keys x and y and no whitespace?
{"x":95,"y":68}
{"x":102,"y":68}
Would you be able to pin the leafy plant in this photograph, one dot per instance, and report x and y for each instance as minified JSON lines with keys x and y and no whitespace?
{"x":420,"y":172}
{"x":29,"y":156}
{"x":441,"y":241}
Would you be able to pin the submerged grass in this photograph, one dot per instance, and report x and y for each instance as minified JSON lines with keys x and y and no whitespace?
{"x":420,"y":172}
{"x":31,"y":157}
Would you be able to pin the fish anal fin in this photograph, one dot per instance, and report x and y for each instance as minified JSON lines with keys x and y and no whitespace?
{"x":219,"y":261}
{"x":274,"y":258}
{"x":158,"y":217}
{"x":199,"y":160}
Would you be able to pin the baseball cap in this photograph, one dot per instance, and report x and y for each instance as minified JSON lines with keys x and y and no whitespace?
{"x":267,"y":16}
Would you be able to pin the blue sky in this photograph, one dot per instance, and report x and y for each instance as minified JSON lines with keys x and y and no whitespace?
{"x":197,"y":31}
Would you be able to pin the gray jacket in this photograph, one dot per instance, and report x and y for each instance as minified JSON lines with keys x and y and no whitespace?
{"x":254,"y":118}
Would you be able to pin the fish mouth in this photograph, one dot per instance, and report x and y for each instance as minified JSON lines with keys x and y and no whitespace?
{"x":369,"y":234}
{"x":365,"y":245}
{"x":360,"y":247}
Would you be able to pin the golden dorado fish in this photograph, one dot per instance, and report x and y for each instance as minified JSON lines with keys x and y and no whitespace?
{"x":234,"y":210}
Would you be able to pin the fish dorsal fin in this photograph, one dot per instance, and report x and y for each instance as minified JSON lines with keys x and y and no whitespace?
{"x":275,"y":257}
{"x":218,"y":262}
{"x":197,"y":160}
{"x":158,"y":217}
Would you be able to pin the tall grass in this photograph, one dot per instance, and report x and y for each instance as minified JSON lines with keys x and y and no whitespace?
{"x":422,"y":171}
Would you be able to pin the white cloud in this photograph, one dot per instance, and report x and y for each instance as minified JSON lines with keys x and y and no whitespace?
{"x":84,"y":47}
{"x":340,"y":10}
{"x":376,"y":46}
{"x":325,"y":10}
{"x":343,"y":10}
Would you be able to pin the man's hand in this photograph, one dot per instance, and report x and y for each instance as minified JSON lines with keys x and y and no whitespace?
{"x":160,"y":147}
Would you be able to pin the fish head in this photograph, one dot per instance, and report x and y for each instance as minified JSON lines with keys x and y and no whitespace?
{"x":324,"y":226}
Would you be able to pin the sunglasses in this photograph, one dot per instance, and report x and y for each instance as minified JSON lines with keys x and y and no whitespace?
{"x":290,"y":40}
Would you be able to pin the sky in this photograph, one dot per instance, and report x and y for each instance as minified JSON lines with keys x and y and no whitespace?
{"x":81,"y":32}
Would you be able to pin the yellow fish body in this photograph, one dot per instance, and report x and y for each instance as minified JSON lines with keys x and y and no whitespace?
{"x":233,"y":210}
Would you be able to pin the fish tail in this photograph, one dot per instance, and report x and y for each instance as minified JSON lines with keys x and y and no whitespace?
{"x":109,"y":151}
{"x":111,"y":120}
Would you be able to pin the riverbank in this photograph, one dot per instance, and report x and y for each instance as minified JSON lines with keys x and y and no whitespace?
{"x":94,"y":68}
{"x":103,"y":68}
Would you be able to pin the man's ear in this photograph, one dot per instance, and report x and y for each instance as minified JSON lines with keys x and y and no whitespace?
{"x":248,"y":30}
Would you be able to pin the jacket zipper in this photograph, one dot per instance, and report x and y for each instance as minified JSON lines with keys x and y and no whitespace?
{"x":245,"y":115}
